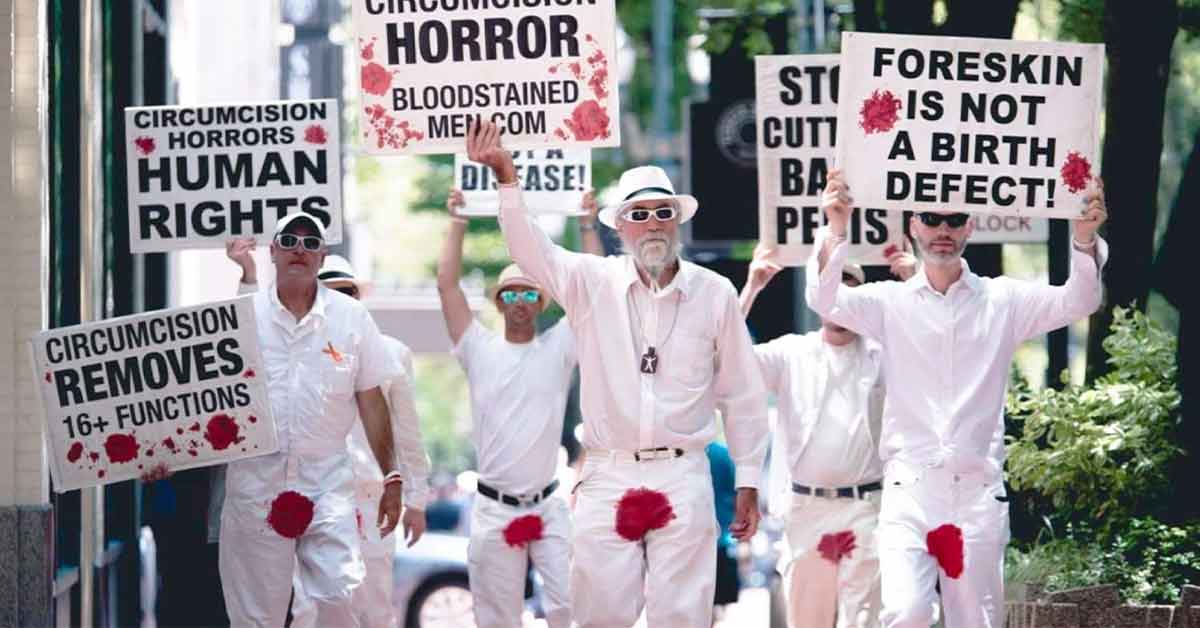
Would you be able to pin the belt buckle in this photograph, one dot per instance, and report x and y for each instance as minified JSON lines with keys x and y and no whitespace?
{"x":655,"y":453}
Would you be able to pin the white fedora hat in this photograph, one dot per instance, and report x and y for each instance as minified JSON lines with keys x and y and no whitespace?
{"x":647,"y":183}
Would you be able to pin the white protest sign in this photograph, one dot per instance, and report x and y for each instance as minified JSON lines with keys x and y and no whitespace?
{"x":554,"y":181}
{"x":995,"y":229}
{"x":976,"y":125}
{"x":198,"y":176}
{"x":150,"y":394}
{"x":796,"y":108}
{"x":545,"y":72}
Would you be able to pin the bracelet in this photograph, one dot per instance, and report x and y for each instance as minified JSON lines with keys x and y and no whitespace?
{"x":1081,"y":245}
{"x":393,"y":477}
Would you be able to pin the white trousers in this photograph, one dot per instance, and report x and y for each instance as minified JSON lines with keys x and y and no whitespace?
{"x":917,"y":500}
{"x":671,"y":572}
{"x":257,"y":564}
{"x":371,"y":600}
{"x":823,"y":586}
{"x":497,"y":570}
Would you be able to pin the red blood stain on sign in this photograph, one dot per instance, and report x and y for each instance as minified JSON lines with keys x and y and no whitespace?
{"x":222,"y":431}
{"x":368,"y":51}
{"x":641,"y":510}
{"x":121,"y":448}
{"x":945,"y":543}
{"x":250,"y":372}
{"x":314,"y":134}
{"x":389,"y":132}
{"x":588,"y":121}
{"x":252,"y":419}
{"x":836,"y":546}
{"x":891,"y":248}
{"x":179,"y":430}
{"x":149,"y":453}
{"x":290,"y":514}
{"x":879,"y":112}
{"x":47,"y":377}
{"x":100,"y":473}
{"x":169,"y":443}
{"x":1076,"y":172}
{"x":192,"y":452}
{"x":376,"y":79}
{"x":95,"y":457}
{"x":144,"y":144}
{"x":523,"y":530}
{"x":195,"y":427}
{"x":74,"y":453}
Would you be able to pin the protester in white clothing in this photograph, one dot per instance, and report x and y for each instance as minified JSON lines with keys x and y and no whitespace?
{"x":519,"y":383}
{"x":948,"y":338}
{"x":830,"y":394}
{"x":661,"y":347}
{"x":324,"y":362}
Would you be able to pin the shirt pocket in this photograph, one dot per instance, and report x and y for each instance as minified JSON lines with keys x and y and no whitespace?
{"x":337,"y":376}
{"x":688,"y":373}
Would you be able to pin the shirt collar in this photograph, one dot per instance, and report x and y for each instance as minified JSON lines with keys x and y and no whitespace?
{"x":968,"y":279}
{"x":682,"y":280}
{"x":317,"y":310}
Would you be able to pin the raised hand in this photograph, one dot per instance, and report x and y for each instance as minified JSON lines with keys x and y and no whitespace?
{"x":241,"y":250}
{"x":454,"y":203}
{"x":589,"y":206}
{"x":483,"y":146}
{"x":836,"y":203}
{"x":902,"y":261}
{"x":763,"y":267}
{"x":1084,"y":228}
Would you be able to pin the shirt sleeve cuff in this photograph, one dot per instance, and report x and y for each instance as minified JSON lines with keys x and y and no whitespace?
{"x":747,"y":476}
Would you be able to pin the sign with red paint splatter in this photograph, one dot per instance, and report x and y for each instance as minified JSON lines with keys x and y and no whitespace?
{"x":796,"y":100}
{"x":146,"y":395}
{"x":554,"y":181}
{"x":545,"y":74}
{"x":986,"y":126}
{"x":199,"y":176}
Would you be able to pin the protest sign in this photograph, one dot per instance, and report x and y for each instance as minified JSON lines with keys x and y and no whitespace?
{"x":198,"y":176}
{"x":150,"y":394}
{"x":554,"y":181}
{"x":544,"y":72}
{"x":796,"y":109}
{"x":977,"y":125}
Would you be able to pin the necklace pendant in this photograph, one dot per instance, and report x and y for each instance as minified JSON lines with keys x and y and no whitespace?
{"x":649,"y":361}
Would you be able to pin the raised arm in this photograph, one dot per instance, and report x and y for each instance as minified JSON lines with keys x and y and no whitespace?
{"x":589,"y":236}
{"x":1042,"y":308}
{"x":455,"y":309}
{"x":860,"y":308}
{"x":547,"y":263}
{"x":762,"y":268}
{"x":240,"y":251}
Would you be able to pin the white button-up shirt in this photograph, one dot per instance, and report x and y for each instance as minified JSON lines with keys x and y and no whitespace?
{"x":830,"y":400}
{"x":947,"y":357}
{"x":705,"y":357}
{"x":518,"y":400}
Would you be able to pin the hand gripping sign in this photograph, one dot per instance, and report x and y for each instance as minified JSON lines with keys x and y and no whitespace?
{"x":554,"y":181}
{"x":149,"y":394}
{"x":198,"y":176}
{"x":796,"y":108}
{"x":985,"y":126}
{"x":544,"y":71}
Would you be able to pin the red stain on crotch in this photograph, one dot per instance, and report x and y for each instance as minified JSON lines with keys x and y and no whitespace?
{"x":523,"y":530}
{"x":121,"y":448}
{"x":291,"y":513}
{"x":641,"y":510}
{"x":75,"y":452}
{"x":945,"y":543}
{"x":837,"y":545}
{"x":222,"y":431}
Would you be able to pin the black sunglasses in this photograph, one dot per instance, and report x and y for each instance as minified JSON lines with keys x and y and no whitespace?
{"x":930,"y":219}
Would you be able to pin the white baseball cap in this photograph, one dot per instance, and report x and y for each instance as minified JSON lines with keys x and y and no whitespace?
{"x":290,"y":218}
{"x":337,"y":271}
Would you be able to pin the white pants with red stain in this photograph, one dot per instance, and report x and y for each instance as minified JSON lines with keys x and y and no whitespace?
{"x":257,"y":564}
{"x":671,"y":572}
{"x":917,"y":500}
{"x":823,"y":585}
{"x":372,"y":600}
{"x":497,"y":570}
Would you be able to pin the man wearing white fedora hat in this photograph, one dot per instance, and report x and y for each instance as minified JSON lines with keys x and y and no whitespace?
{"x":293,"y":511}
{"x":519,"y":382}
{"x":662,"y":346}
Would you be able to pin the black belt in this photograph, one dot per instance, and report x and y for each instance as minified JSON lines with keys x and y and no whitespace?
{"x":846,"y":491}
{"x":513,"y":500}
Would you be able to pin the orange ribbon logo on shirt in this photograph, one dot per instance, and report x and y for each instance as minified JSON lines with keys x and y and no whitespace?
{"x":333,"y":353}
